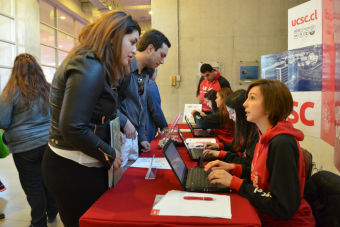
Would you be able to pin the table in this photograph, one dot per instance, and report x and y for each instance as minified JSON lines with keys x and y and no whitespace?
{"x":130,"y":202}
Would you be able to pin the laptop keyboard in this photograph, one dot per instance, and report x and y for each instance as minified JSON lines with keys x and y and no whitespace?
{"x":198,"y":178}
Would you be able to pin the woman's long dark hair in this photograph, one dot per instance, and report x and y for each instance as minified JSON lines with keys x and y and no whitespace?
{"x":244,"y":130}
{"x":211,"y":95}
{"x":104,"y":39}
{"x":224,"y":93}
{"x":28,"y":79}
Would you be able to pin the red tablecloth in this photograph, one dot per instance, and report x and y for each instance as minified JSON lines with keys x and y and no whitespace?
{"x":130,"y":202}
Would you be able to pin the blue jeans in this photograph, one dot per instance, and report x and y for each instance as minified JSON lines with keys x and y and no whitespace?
{"x":28,"y":164}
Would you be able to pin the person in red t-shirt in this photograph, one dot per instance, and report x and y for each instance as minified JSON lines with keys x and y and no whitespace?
{"x":211,"y":79}
{"x":275,"y":183}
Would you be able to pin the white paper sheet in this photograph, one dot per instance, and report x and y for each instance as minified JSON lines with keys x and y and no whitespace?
{"x":188,"y":108}
{"x":159,"y":163}
{"x":173,"y":204}
{"x":200,"y":140}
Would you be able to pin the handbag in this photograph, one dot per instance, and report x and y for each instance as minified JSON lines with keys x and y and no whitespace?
{"x":4,"y":152}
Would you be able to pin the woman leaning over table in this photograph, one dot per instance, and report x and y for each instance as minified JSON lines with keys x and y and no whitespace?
{"x":277,"y":171}
{"x":25,"y":115}
{"x":83,"y":100}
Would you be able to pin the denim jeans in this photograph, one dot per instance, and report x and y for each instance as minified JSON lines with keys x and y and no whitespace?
{"x":28,"y":164}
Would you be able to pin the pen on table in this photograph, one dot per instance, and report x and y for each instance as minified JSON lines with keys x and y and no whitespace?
{"x":198,"y":198}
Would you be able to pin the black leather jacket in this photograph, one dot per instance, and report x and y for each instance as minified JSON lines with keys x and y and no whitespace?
{"x":83,"y":101}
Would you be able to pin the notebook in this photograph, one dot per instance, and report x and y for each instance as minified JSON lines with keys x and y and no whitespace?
{"x":168,"y":135}
{"x":195,"y":153}
{"x":194,"y":179}
{"x":199,"y":132}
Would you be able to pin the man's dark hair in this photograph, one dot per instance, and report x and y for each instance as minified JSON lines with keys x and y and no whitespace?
{"x":154,"y":37}
{"x":206,"y":68}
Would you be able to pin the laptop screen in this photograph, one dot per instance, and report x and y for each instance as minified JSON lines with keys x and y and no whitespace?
{"x":172,"y":127}
{"x":176,"y":162}
{"x":182,"y":138}
{"x":190,"y":126}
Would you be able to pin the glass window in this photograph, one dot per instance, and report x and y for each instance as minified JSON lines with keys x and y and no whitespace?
{"x":7,"y":50}
{"x":65,"y":22}
{"x":49,"y":73}
{"x":6,"y":7}
{"x":61,"y":56}
{"x":47,"y":35}
{"x":65,"y":42}
{"x":79,"y":26}
{"x":56,"y":39}
{"x":7,"y":24}
{"x":48,"y":55}
{"x":47,"y":14}
{"x":4,"y":77}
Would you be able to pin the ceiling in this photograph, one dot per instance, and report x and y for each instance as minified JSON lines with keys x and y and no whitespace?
{"x":139,"y":9}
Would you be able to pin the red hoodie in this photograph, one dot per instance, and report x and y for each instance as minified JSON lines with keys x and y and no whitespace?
{"x":204,"y":86}
{"x":278,"y":178}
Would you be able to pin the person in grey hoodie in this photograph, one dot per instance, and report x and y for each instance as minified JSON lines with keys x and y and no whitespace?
{"x":25,"y":117}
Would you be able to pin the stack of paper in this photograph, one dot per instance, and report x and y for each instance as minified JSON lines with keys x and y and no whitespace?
{"x":199,"y":142}
{"x":180,"y":203}
{"x":158,"y":163}
{"x":188,"y":108}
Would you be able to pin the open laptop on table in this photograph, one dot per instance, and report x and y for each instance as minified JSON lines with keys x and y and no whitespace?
{"x":195,"y":153}
{"x":194,"y":179}
{"x":171,"y":130}
{"x":199,"y":132}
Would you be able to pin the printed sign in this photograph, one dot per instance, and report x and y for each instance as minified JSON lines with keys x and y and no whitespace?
{"x":305,"y":25}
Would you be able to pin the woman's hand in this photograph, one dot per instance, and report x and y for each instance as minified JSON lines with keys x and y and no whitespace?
{"x":214,"y":153}
{"x":209,"y":145}
{"x":118,"y":161}
{"x":203,"y":114}
{"x":220,"y":176}
{"x":217,"y":164}
{"x":129,"y":130}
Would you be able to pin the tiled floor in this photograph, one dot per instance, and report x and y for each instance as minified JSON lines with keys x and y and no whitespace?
{"x":13,"y":201}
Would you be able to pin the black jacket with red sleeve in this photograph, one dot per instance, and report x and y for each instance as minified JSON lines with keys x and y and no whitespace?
{"x":277,"y":178}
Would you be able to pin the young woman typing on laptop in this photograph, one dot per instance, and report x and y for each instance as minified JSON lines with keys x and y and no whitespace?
{"x":277,"y":175}
{"x":218,"y":120}
{"x":246,"y":135}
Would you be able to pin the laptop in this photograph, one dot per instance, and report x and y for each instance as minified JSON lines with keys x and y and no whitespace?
{"x":171,"y":130}
{"x":194,"y":179}
{"x":199,"y":132}
{"x":195,"y":153}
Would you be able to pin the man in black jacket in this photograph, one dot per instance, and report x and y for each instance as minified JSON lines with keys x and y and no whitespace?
{"x":151,"y":52}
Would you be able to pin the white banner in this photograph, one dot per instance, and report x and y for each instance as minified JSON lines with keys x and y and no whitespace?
{"x":306,"y":114}
{"x":305,"y":25}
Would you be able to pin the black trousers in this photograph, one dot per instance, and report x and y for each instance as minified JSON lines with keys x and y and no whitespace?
{"x":28,"y":164}
{"x":75,"y":187}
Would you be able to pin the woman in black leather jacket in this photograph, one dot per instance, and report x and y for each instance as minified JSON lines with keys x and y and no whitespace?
{"x":83,"y":100}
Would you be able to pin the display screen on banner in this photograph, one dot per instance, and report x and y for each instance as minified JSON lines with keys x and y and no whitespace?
{"x":305,"y":25}
{"x":299,"y":69}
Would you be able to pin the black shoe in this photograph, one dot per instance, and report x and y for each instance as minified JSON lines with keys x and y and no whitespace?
{"x":2,"y":215}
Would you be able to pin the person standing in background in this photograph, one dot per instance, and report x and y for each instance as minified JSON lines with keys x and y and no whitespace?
{"x":25,"y":115}
{"x":83,"y":101}
{"x":155,"y":116}
{"x":211,"y":79}
{"x":151,"y":51}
